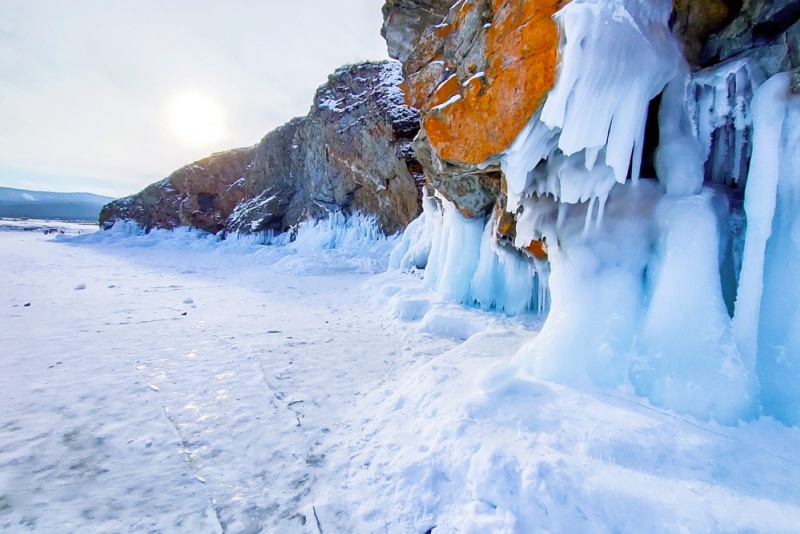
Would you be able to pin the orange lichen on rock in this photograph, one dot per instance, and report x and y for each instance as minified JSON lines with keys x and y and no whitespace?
{"x":506,"y":225}
{"x":520,"y":55}
{"x":538,"y":249}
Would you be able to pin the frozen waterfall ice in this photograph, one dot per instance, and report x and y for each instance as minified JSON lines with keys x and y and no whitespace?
{"x":641,"y":275}
{"x":767,"y":322}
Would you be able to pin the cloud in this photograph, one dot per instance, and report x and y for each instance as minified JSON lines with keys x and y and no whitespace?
{"x":85,"y":84}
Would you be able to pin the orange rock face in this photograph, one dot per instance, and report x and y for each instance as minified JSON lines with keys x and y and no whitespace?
{"x":538,"y":249}
{"x":479,"y":77}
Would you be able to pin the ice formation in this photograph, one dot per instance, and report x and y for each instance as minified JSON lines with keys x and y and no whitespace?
{"x":336,"y":243}
{"x":644,"y":275}
{"x":464,"y":263}
{"x":596,"y":113}
{"x":767,"y":321}
{"x":719,"y":106}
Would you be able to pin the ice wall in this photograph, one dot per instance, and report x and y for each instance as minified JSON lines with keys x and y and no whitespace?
{"x":642,"y":274}
{"x":767,"y":322}
{"x":464,"y":263}
{"x":635,"y":276}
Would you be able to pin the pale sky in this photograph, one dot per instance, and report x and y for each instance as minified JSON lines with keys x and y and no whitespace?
{"x":108,"y":96}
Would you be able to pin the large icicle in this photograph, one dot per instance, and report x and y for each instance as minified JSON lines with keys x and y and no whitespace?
{"x":616,"y":57}
{"x":767,"y":321}
{"x":415,"y":244}
{"x":687,"y":358}
{"x":598,"y":108}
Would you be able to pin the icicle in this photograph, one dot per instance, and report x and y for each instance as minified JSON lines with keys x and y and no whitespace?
{"x":767,"y":316}
{"x":679,"y":158}
{"x":602,"y":92}
{"x":719,"y":108}
{"x":588,"y":222}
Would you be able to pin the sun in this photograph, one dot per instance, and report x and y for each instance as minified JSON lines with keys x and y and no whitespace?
{"x":195,"y":119}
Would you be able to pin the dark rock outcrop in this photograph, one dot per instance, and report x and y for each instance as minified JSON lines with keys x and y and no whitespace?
{"x":767,"y":31}
{"x":201,"y":195}
{"x":156,"y":206}
{"x":352,"y":152}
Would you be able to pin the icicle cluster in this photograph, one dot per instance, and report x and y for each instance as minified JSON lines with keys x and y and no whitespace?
{"x":719,"y":105}
{"x":594,"y":118}
{"x":463,"y":262}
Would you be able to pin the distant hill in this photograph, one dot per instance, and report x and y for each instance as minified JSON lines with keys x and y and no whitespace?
{"x":46,"y":205}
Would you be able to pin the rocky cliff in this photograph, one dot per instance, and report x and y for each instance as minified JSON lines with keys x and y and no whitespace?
{"x":479,"y":72}
{"x":352,"y":152}
{"x":477,"y":76}
{"x":628,"y":169}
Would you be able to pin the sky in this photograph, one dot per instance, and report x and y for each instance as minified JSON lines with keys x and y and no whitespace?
{"x":108,"y":96}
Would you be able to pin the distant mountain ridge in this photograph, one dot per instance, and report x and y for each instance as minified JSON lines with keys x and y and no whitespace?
{"x":49,"y":205}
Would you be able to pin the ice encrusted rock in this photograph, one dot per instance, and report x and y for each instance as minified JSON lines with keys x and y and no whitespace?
{"x":600,"y":101}
{"x":643,"y":274}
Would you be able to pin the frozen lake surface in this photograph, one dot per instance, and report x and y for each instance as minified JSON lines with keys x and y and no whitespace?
{"x":177,"y":384}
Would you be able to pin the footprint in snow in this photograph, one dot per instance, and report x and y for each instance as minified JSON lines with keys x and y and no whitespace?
{"x":80,"y":287}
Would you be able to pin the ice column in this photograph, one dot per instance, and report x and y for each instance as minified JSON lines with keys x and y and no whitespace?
{"x":767,"y":321}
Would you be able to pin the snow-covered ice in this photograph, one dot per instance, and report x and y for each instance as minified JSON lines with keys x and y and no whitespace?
{"x":205,"y":386}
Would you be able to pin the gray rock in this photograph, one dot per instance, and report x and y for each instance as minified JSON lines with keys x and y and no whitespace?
{"x":471,"y":188}
{"x":404,"y":22}
{"x":201,"y":195}
{"x":351,"y":153}
{"x":764,"y":30}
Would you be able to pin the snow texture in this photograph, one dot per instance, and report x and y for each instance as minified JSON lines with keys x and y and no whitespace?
{"x":201,"y":385}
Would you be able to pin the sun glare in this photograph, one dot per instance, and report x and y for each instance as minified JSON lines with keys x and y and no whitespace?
{"x":196,"y":119}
